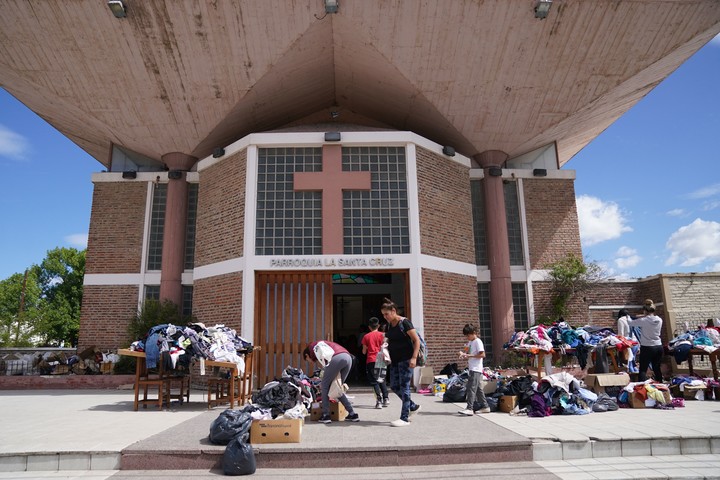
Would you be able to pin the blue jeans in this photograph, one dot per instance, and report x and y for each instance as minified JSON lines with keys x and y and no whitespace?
{"x":400,"y":375}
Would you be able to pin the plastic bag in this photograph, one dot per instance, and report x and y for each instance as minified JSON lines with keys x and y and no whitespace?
{"x":323,"y":352}
{"x":228,"y":425}
{"x":337,"y":389}
{"x":604,"y":403}
{"x":239,"y":457}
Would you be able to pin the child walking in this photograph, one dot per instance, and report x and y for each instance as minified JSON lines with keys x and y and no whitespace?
{"x":474,"y":352}
{"x":372,"y":347}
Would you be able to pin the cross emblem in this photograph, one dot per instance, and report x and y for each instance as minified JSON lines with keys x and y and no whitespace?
{"x":332,"y":181}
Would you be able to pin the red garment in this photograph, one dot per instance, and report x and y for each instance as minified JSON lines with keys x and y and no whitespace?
{"x":337,"y":348}
{"x":373,"y":341}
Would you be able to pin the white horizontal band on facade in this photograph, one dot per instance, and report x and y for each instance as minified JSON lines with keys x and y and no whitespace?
{"x":349,"y":139}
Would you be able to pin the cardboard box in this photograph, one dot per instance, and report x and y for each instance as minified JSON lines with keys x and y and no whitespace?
{"x":598,"y":381}
{"x":106,"y":368}
{"x":281,"y":430}
{"x":61,"y":370}
{"x":337,"y":412}
{"x":507,"y":403}
{"x":692,"y":393}
{"x":637,"y":402}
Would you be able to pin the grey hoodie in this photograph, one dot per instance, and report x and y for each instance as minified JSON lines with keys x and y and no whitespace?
{"x":650,"y":329}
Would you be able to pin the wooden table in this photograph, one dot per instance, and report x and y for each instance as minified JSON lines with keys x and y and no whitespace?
{"x":541,"y":354}
{"x":700,"y":352}
{"x":234,"y":393}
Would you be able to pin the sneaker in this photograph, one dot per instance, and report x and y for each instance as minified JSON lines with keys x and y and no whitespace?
{"x":353,"y":417}
{"x":325,"y":419}
{"x":482,"y":410}
{"x":378,"y":405}
{"x":386,"y":402}
{"x":415,"y":409}
{"x":467,"y":412}
{"x":399,"y":423}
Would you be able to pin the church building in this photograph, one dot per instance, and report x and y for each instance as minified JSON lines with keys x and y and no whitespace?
{"x":281,"y":167}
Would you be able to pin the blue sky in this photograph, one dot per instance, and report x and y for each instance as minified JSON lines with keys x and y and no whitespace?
{"x":648,"y":187}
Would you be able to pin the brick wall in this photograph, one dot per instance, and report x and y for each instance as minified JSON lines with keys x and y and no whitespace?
{"x":449,"y":301}
{"x":116,"y":227}
{"x":552,"y":222}
{"x":221,"y":211}
{"x":105,"y":315}
{"x":601,"y":294}
{"x":446,"y":228}
{"x":219,"y":300}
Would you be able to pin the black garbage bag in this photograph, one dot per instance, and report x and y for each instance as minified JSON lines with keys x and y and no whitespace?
{"x":228,"y":425}
{"x":455,"y":393}
{"x":450,"y":369}
{"x":239,"y":457}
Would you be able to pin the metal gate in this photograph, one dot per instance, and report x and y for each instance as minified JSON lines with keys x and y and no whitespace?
{"x":292,"y":310}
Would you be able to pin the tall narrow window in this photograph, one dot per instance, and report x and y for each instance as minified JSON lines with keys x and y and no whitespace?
{"x":478,"y":210}
{"x":514,"y":225}
{"x":157,"y":224}
{"x":190,"y":226}
{"x":520,"y":309}
{"x":484,"y":314}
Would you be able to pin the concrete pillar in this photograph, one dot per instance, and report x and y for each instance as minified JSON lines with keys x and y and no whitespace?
{"x":498,"y":250}
{"x":173,"y":253}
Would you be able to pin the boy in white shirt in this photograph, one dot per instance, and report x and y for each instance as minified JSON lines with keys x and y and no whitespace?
{"x":474,"y":352}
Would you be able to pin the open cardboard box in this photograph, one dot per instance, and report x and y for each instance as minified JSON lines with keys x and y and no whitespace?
{"x":596,"y":382}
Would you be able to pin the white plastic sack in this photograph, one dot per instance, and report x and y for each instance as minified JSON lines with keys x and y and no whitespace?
{"x":323,"y":352}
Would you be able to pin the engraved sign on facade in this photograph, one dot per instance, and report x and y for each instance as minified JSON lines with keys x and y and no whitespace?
{"x":332,"y":262}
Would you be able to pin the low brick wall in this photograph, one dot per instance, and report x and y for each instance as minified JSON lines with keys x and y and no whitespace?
{"x":67,"y":382}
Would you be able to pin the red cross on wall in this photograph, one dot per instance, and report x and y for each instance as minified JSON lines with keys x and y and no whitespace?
{"x":332,"y":181}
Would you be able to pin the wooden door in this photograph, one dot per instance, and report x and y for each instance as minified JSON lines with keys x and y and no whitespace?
{"x":291,"y":310}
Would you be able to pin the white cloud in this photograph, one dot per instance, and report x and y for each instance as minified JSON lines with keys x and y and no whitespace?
{"x":694,"y":244}
{"x":627,"y":257}
{"x":77,"y":240}
{"x":12,"y":145}
{"x":599,"y":221}
{"x":705,"y":192}
{"x":676,"y":212}
{"x":714,"y":268}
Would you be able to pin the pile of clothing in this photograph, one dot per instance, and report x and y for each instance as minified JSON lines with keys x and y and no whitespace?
{"x":175,"y":346}
{"x":703,"y":338}
{"x":557,"y":394}
{"x":566,"y":340}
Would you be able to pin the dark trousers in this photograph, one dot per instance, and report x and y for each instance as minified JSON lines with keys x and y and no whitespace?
{"x":381,"y":391}
{"x":650,"y":356}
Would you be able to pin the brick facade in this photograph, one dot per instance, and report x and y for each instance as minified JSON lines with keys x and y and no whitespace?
{"x":105,"y":315}
{"x":219,"y":300}
{"x":449,"y":302}
{"x":552,"y":222}
{"x":221,"y":211}
{"x":446,"y":227}
{"x":117,"y":221}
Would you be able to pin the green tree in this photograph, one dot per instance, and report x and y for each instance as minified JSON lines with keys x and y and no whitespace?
{"x":20,"y":296}
{"x":60,"y":276}
{"x":569,"y":276}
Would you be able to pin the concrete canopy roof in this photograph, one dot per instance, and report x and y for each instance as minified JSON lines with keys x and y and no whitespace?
{"x":190,"y":75}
